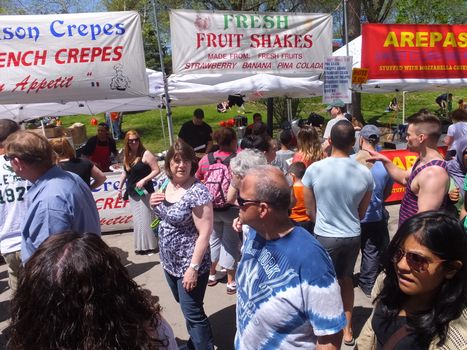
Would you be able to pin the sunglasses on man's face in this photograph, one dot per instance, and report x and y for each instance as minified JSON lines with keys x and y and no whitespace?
{"x":242,"y":202}
{"x":416,"y":261}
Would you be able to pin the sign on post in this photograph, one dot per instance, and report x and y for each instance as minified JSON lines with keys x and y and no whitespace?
{"x":71,"y":57}
{"x":359,"y":76}
{"x":249,"y":42}
{"x":337,"y":79}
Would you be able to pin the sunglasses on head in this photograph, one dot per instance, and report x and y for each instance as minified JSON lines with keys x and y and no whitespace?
{"x":416,"y":261}
{"x":133,"y":140}
{"x":242,"y":202}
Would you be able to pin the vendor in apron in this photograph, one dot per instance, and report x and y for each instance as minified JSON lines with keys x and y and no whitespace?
{"x":99,"y":148}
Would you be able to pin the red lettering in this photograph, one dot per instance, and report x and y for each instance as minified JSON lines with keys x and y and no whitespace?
{"x":72,"y":56}
{"x":95,"y":53}
{"x":218,"y":40}
{"x":118,"y":52}
{"x":119,"y":220}
{"x":84,"y":55}
{"x":108,"y":203}
{"x":98,"y":203}
{"x":57,"y":56}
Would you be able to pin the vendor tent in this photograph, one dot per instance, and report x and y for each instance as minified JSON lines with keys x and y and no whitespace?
{"x":391,"y":85}
{"x":191,"y":89}
{"x":22,"y":112}
{"x":194,"y":89}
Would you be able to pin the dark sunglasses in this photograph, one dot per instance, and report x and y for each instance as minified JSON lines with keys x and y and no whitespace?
{"x":416,"y":262}
{"x":133,"y":140}
{"x":7,"y":157}
{"x":242,"y":202}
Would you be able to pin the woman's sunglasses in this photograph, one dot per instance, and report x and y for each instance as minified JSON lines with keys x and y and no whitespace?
{"x":416,"y":261}
{"x":133,"y":140}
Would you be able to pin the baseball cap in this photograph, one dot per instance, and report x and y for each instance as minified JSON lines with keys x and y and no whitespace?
{"x":370,"y":132}
{"x":336,"y":103}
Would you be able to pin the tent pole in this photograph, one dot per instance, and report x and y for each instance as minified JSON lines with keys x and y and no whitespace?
{"x":346,"y":31}
{"x":164,"y":76}
{"x":289,"y":109}
{"x":403,"y":106}
{"x":346,"y":35}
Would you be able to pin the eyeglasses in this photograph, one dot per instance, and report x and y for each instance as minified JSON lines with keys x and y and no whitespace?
{"x":242,"y":202}
{"x":133,"y":140}
{"x":7,"y":157}
{"x":416,"y":261}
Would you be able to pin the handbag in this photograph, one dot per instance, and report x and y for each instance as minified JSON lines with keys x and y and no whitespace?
{"x":155,"y":223}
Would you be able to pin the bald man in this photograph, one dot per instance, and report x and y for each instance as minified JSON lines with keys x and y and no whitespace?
{"x":284,"y":274}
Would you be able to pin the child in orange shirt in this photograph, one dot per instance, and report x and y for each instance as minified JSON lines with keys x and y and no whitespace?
{"x":298,"y":212}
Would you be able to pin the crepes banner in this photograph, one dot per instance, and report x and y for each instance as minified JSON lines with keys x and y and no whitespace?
{"x":71,"y":57}
{"x":249,"y":42}
{"x":114,"y":213}
{"x":411,"y":51}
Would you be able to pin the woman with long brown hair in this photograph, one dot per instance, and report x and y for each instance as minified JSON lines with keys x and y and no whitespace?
{"x":309,"y":147}
{"x":74,"y":293}
{"x":139,"y":168}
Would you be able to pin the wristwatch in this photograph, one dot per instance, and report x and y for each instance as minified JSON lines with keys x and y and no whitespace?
{"x":195,"y":266}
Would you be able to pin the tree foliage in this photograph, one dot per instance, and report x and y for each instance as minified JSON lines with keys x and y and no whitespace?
{"x":377,"y":11}
{"x":431,"y":12}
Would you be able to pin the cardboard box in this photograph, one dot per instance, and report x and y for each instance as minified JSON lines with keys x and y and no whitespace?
{"x":50,"y":132}
{"x":78,"y":133}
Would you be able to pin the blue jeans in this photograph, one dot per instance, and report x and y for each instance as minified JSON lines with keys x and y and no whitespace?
{"x":197,"y":322}
{"x":375,"y":239}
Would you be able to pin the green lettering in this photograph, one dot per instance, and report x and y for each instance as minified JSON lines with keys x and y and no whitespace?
{"x":285,"y":21}
{"x":268,"y":22}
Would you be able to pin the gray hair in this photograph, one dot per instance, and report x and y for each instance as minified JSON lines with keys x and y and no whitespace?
{"x":273,"y":187}
{"x":246,"y":159}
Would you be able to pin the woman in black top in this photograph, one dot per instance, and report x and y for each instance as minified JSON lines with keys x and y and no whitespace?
{"x":423,"y":301}
{"x":81,"y":167}
{"x":140,"y":167}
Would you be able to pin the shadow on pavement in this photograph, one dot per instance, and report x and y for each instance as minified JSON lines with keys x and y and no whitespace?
{"x":3,"y":286}
{"x":134,"y":270}
{"x":223,"y":328}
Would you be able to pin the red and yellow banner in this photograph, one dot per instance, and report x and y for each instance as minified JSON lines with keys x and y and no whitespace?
{"x":414,"y":51}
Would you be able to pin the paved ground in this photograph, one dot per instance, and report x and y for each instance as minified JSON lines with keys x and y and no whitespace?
{"x":220,"y":307}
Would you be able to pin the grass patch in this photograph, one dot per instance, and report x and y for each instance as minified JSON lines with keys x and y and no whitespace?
{"x":149,"y":125}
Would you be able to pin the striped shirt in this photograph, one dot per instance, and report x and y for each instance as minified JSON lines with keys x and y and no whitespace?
{"x":409,"y":204}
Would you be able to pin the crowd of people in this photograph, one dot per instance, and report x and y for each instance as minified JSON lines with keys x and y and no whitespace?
{"x":286,"y":225}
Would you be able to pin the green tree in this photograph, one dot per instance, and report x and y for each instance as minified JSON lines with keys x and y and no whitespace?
{"x":431,"y":12}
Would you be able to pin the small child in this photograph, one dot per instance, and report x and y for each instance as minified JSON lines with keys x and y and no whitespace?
{"x":285,"y":154}
{"x":298,"y":212}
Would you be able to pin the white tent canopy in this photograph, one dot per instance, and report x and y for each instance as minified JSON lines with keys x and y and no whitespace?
{"x":193,"y":89}
{"x":22,"y":112}
{"x":213,"y":88}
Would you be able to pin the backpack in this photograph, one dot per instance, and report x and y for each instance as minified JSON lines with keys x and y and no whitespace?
{"x":218,"y":178}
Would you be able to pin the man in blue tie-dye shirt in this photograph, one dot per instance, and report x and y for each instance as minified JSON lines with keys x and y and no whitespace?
{"x":288,"y":295}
